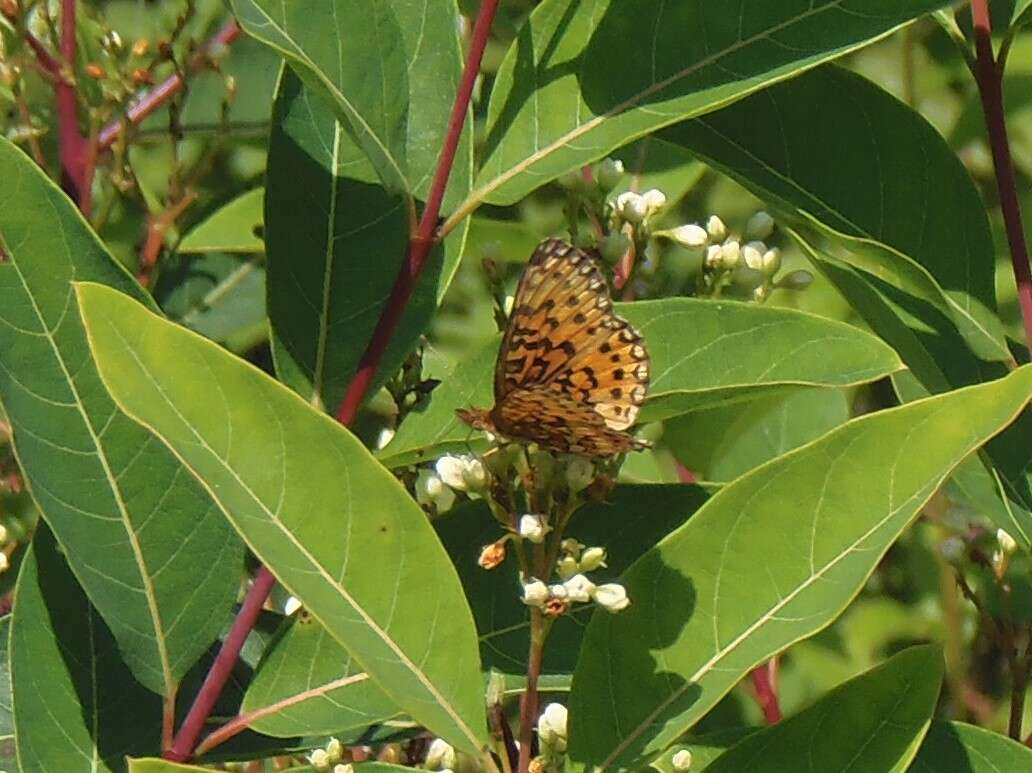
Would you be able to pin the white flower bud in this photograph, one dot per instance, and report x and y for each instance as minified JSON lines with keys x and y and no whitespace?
{"x":335,"y":751}
{"x":3,"y":534}
{"x":579,"y":474}
{"x":682,"y":760}
{"x":689,"y":235}
{"x":319,"y":759}
{"x":440,"y":755}
{"x":1007,"y":543}
{"x":771,"y":261}
{"x":5,"y":562}
{"x":760,"y":226}
{"x":716,"y":229}
{"x":730,"y":252}
{"x":952,"y":548}
{"x":292,"y":605}
{"x":552,"y":727}
{"x":386,"y":436}
{"x":558,"y":592}
{"x":474,"y":475}
{"x":796,"y":280}
{"x":534,"y":527}
{"x":752,"y":254}
{"x":535,"y":593}
{"x":571,"y":547}
{"x":567,"y":567}
{"x":655,"y":200}
{"x":611,"y":597}
{"x":631,"y":207}
{"x":450,"y":470}
{"x":759,"y":294}
{"x":579,"y":588}
{"x":507,"y":305}
{"x":713,"y":259}
{"x":592,"y":559}
{"x":609,"y":173}
{"x":342,"y":768}
{"x":430,"y":490}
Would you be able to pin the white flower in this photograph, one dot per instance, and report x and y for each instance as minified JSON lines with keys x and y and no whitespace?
{"x":535,"y":593}
{"x":566,"y":567}
{"x":713,"y":253}
{"x":654,"y":200}
{"x":592,"y":559}
{"x":1007,"y":543}
{"x":558,"y":592}
{"x":534,"y":528}
{"x":440,"y":755}
{"x":462,"y":473}
{"x":689,"y":235}
{"x":716,"y":229}
{"x":319,"y":759}
{"x":611,"y":597}
{"x":579,"y":474}
{"x":730,"y":251}
{"x":681,"y":760}
{"x":334,"y":750}
{"x":631,"y":207}
{"x":386,"y":436}
{"x":552,"y":727}
{"x":293,"y":604}
{"x":760,"y":226}
{"x":952,"y":548}
{"x":579,"y":588}
{"x":771,"y":261}
{"x":752,"y":254}
{"x":430,"y":490}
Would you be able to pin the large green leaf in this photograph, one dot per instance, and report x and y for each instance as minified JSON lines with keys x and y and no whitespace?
{"x":8,"y":753}
{"x":703,"y":352}
{"x":76,"y":706}
{"x":953,"y":747}
{"x":334,"y":252}
{"x":770,"y":559}
{"x":568,"y":92}
{"x":335,"y":527}
{"x":899,"y":199}
{"x":234,"y":227}
{"x":151,"y":550}
{"x":872,"y":722}
{"x":306,"y":684}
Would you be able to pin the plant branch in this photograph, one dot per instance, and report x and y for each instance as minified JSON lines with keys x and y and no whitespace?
{"x":419,"y":249}
{"x":528,"y":705}
{"x":71,"y":142}
{"x":157,"y":96}
{"x":426,"y":235}
{"x":989,"y":78}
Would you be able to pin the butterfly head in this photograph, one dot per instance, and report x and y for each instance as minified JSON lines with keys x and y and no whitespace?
{"x":478,"y":418}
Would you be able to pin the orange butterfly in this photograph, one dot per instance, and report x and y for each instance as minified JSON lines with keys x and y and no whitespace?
{"x":570,"y":375}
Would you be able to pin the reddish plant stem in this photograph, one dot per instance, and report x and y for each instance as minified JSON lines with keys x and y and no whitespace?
{"x":765,"y":682}
{"x":989,"y":78}
{"x":71,"y":142}
{"x":529,"y":703}
{"x":419,"y":249}
{"x":425,"y":237}
{"x":190,"y":731}
{"x":154,"y":98}
{"x":156,"y":230}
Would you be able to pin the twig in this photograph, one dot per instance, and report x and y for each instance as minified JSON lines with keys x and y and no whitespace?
{"x":989,"y":78}
{"x":528,"y":705}
{"x":156,"y":230}
{"x":426,"y":233}
{"x":154,"y":98}
{"x":186,"y":739}
{"x":70,"y":140}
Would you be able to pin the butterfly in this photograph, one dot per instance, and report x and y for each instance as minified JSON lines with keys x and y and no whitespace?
{"x":570,"y":374}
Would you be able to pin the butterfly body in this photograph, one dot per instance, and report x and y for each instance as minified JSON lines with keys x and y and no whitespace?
{"x":570,"y":374}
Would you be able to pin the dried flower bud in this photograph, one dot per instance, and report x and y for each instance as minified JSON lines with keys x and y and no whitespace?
{"x":94,"y":70}
{"x":760,"y":226}
{"x":142,"y":76}
{"x":492,"y":555}
{"x":611,"y":597}
{"x":140,"y":46}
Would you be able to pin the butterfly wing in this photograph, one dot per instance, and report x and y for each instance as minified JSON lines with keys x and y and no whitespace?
{"x":563,"y":335}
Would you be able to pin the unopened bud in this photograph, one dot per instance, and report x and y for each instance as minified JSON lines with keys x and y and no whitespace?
{"x":344,"y":768}
{"x":730,"y":252}
{"x":533,"y":527}
{"x":759,"y":294}
{"x":796,"y":280}
{"x":112,"y":41}
{"x":492,"y":555}
{"x":631,"y":207}
{"x":608,"y":173}
{"x":334,"y":750}
{"x":571,"y":547}
{"x":9,"y":74}
{"x":142,"y":76}
{"x":689,"y":235}
{"x":613,"y":246}
{"x":713,"y":257}
{"x":592,"y":559}
{"x":952,"y":549}
{"x":771,"y":261}
{"x":440,"y":755}
{"x":572,"y":180}
{"x":655,"y":200}
{"x":319,"y":759}
{"x":535,"y":593}
{"x":716,"y":229}
{"x":611,"y":597}
{"x":760,"y":226}
{"x":752,"y":255}
{"x":141,"y":46}
{"x":682,"y":760}
{"x":566,"y":567}
{"x":552,"y":727}
{"x":94,"y":70}
{"x":1007,"y":543}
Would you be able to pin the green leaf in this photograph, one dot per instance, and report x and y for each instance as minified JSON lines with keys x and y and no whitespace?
{"x":8,"y":753}
{"x":151,"y":550}
{"x":352,"y":51}
{"x":719,"y":444}
{"x":233,"y":227}
{"x":307,"y":684}
{"x":565,"y":96}
{"x":872,"y":722}
{"x":734,"y":351}
{"x":158,"y":765}
{"x":1022,"y":14}
{"x":336,"y":528}
{"x":705,"y":749}
{"x":632,"y":520}
{"x":899,"y":200}
{"x":954,"y":747}
{"x":334,"y":253}
{"x":770,"y":559}
{"x":76,"y":706}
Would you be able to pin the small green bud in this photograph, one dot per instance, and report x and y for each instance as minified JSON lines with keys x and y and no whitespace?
{"x":796,"y":280}
{"x":572,"y":181}
{"x":760,"y":226}
{"x":608,"y":173}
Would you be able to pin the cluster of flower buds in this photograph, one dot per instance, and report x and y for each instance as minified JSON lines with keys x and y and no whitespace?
{"x":437,"y":487}
{"x":551,"y":731}
{"x":330,"y":757}
{"x":575,"y":587}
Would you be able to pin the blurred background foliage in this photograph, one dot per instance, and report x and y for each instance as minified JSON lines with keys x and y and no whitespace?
{"x":211,"y":140}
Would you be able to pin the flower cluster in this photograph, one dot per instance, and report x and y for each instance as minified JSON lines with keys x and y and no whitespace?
{"x":437,"y":487}
{"x":330,"y":757}
{"x":575,"y":587}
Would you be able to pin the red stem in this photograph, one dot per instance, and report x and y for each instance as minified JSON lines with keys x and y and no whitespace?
{"x":989,"y":78}
{"x":419,"y":248}
{"x":765,"y":680}
{"x":71,"y":142}
{"x":154,"y":98}
{"x":425,"y":236}
{"x":190,"y":731}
